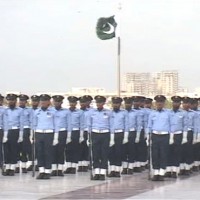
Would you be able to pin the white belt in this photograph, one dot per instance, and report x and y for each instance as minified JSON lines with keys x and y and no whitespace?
{"x":62,"y":129}
{"x":132,"y":129}
{"x":160,"y":132}
{"x":86,"y":129}
{"x":177,"y":132}
{"x":44,"y":131}
{"x":14,"y":127}
{"x":26,"y":126}
{"x":100,"y":131}
{"x":0,"y":128}
{"x":118,"y":131}
{"x":75,"y":129}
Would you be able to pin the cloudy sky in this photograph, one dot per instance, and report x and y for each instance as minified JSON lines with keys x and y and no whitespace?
{"x":51,"y":45}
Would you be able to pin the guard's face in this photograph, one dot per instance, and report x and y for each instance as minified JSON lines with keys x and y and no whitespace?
{"x":72,"y":104}
{"x":194,"y":106}
{"x":83,"y":104}
{"x":12,"y":102}
{"x":176,"y":105}
{"x":45,"y":104}
{"x":186,"y":106}
{"x":148,"y":105}
{"x":142,"y":104}
{"x":100,"y":104}
{"x":160,"y":105}
{"x":136,"y":104}
{"x":128,"y":106}
{"x":1,"y":101}
{"x":57,"y":103}
{"x":35,"y":103}
{"x":116,"y":105}
{"x":88,"y":103}
{"x":22,"y":103}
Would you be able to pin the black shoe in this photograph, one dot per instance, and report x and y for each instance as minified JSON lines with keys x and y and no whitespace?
{"x":11,"y":173}
{"x":195,"y":168}
{"x":96,"y":177}
{"x":137,"y":169}
{"x":112,"y":174}
{"x":68,"y":170}
{"x":130,"y":171}
{"x":143,"y":168}
{"x":60,"y":173}
{"x":168,"y":174}
{"x":182,"y":172}
{"x":187,"y":172}
{"x":46,"y":176}
{"x":160,"y":178}
{"x":174,"y":175}
{"x":54,"y":173}
{"x":24,"y":170}
{"x":30,"y":168}
{"x":73,"y":171}
{"x":102,"y":177}
{"x":36,"y":168}
{"x":6,"y":172}
{"x":40,"y":176}
{"x":80,"y":169}
{"x":84,"y":168}
{"x":124,"y":171}
{"x":155,"y":178}
{"x":117,"y":174}
{"x":17,"y":170}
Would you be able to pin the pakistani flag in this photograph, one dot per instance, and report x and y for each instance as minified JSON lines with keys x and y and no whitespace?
{"x":106,"y":28}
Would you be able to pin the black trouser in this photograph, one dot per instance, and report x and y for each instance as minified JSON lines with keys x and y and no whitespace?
{"x":115,"y":154}
{"x":1,"y":148}
{"x":142,"y":148}
{"x":100,"y":149}
{"x":11,"y":147}
{"x":187,"y":155}
{"x":73,"y":148}
{"x":174,"y":155}
{"x":59,"y":149}
{"x":84,"y":150}
{"x":129,"y":149}
{"x":160,"y":148}
{"x":44,"y":148}
{"x":25,"y":146}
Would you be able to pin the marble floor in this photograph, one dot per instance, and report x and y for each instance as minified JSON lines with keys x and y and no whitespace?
{"x":79,"y":186}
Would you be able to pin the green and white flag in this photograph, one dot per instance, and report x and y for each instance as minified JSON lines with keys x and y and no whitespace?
{"x":106,"y":27}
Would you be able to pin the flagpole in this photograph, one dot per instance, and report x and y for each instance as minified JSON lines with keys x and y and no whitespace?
{"x":118,"y":67}
{"x":119,"y":52}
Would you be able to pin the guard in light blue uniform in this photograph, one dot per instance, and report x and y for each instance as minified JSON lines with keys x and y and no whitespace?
{"x":44,"y":121}
{"x":13,"y":133}
{"x":159,"y":127}
{"x":187,"y":155}
{"x":84,"y":150}
{"x":61,"y":127}
{"x":25,"y":146}
{"x":75,"y":130}
{"x":119,"y":131}
{"x":99,"y":129}
{"x":179,"y":122}
{"x":196,"y":139}
{"x":2,"y":109}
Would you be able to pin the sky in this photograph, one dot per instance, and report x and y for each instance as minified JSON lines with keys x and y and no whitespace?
{"x":51,"y":45}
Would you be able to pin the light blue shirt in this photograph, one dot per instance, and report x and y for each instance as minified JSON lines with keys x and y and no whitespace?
{"x":85,"y":115}
{"x":2,"y":110}
{"x":196,"y":121}
{"x":76,"y":120}
{"x":99,"y":120}
{"x":13,"y":118}
{"x":44,"y":120}
{"x":159,"y":121}
{"x":27,"y":116}
{"x":191,"y":116}
{"x":134,"y":120}
{"x":178,"y":121}
{"x":147,"y":112}
{"x":61,"y":119}
{"x":119,"y":121}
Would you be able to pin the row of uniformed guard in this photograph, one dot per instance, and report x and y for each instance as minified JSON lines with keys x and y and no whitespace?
{"x":119,"y":136}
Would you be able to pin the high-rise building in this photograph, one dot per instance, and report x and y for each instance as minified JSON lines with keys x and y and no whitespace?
{"x":149,"y":84}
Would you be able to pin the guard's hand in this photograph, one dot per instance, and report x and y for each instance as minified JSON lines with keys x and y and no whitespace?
{"x":125,"y":140}
{"x":20,"y":140}
{"x":55,"y":142}
{"x":111,"y":143}
{"x":68,"y":140}
{"x":137,"y":140}
{"x":184,"y":140}
{"x":5,"y":139}
{"x":88,"y":142}
{"x":81,"y":139}
{"x":171,"y":139}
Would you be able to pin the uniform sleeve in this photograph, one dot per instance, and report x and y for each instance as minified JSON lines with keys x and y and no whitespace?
{"x":82,"y":120}
{"x":21,"y":118}
{"x":150,"y":123}
{"x":126,"y":128}
{"x":56,"y":124}
{"x":111,"y":122}
{"x":34,"y":122}
{"x":139,"y":121}
{"x":69,"y":122}
{"x":89,"y":121}
{"x":5,"y":120}
{"x":185,"y":122}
